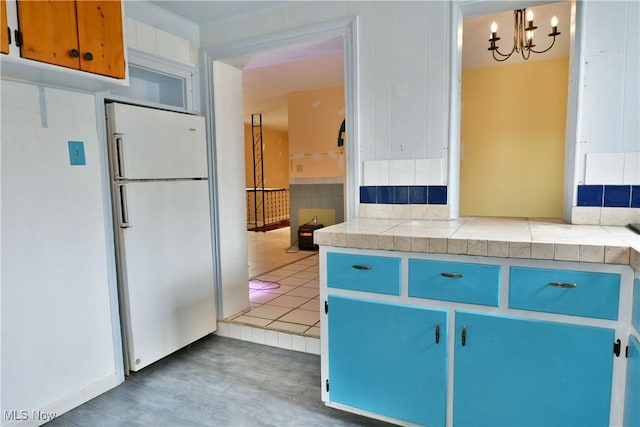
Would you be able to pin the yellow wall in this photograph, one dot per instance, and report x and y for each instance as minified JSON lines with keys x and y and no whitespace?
{"x":512,"y":134}
{"x":276,"y":157}
{"x":314,"y":120}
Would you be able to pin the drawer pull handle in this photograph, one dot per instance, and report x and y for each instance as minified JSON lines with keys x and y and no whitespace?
{"x":437,"y":333}
{"x":452,"y":275}
{"x":361,"y":267}
{"x":563,"y":285}
{"x":464,"y":335}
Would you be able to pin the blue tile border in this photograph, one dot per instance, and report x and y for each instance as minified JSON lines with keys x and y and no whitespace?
{"x":617,"y":196}
{"x":384,"y":194}
{"x":404,"y":194}
{"x":609,"y":196}
{"x":590,"y":195}
{"x":635,"y":196}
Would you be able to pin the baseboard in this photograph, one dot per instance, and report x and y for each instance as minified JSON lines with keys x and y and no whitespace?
{"x":42,"y":415}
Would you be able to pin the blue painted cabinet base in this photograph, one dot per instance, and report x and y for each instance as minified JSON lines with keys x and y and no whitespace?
{"x":517,"y":372}
{"x":376,"y":367}
{"x":632,"y":398}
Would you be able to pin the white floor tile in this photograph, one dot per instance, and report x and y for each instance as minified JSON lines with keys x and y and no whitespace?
{"x":303,"y":317}
{"x":253,"y":321}
{"x":304,"y":292}
{"x":271,"y":338}
{"x":268,"y":311}
{"x":288,"y":301}
{"x":293,"y":281}
{"x":312,"y":345}
{"x":288,"y":327}
{"x":313,"y":305}
{"x":298,"y":343}
{"x":284,"y":340}
{"x":313,"y":331}
{"x":258,"y":336}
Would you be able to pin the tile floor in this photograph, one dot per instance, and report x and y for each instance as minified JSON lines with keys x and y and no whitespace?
{"x":285,"y":299}
{"x":284,"y":287}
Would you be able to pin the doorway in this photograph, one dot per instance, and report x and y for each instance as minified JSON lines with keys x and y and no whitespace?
{"x":565,"y":135}
{"x":294,"y":104}
{"x":513,"y":119}
{"x":233,"y":290}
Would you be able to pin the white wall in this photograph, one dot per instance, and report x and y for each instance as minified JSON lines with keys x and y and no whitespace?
{"x":403,"y":65}
{"x":230,"y":182}
{"x":57,"y":338}
{"x":610,"y":105}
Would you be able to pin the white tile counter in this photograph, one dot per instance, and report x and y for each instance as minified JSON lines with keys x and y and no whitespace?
{"x":494,"y":237}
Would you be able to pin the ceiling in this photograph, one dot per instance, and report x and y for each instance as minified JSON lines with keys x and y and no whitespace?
{"x":269,"y":75}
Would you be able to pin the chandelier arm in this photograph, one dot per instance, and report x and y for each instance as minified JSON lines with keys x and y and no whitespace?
{"x":543,"y":51}
{"x":504,"y":57}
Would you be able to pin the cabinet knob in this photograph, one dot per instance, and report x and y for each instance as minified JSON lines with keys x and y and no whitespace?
{"x":88,"y":56}
{"x":74,"y":53}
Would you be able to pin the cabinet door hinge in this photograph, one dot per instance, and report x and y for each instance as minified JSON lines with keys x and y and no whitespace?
{"x":327,"y":385}
{"x":617,"y":346}
{"x":18,"y":38}
{"x":326,"y":307}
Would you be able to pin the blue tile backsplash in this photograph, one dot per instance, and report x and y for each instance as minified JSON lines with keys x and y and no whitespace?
{"x":611,"y":196}
{"x":404,"y":194}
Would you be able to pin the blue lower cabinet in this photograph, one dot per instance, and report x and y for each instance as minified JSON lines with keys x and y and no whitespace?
{"x":388,"y":359}
{"x":518,"y":372}
{"x":632,"y":397}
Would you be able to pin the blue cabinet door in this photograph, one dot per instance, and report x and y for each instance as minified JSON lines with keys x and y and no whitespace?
{"x":384,"y":358}
{"x":632,"y":397}
{"x":517,"y":372}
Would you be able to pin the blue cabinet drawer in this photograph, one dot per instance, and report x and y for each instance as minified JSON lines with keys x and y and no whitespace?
{"x":577,"y":293}
{"x":364,"y":273}
{"x":455,"y":281}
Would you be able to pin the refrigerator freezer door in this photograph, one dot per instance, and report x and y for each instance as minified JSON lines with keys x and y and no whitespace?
{"x":154,"y":144}
{"x":168,"y":283}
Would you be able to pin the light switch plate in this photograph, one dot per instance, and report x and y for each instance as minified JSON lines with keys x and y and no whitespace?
{"x":76,"y":153}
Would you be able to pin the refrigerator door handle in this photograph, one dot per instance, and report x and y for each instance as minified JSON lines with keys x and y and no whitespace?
{"x":120,"y":173}
{"x":124,"y":209}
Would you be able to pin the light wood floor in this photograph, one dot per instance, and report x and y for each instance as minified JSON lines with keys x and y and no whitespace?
{"x":218,"y":382}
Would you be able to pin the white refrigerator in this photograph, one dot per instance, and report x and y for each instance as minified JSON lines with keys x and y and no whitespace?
{"x":160,"y":193}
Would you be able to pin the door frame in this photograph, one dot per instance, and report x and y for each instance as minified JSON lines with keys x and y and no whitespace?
{"x":467,"y":9}
{"x":345,"y":28}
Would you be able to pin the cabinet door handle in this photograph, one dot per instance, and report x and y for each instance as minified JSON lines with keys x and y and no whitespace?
{"x":88,"y":56}
{"x":464,"y":335}
{"x":437,"y":333}
{"x":452,"y":275}
{"x":74,"y":53}
{"x":563,"y":285}
{"x":361,"y":267}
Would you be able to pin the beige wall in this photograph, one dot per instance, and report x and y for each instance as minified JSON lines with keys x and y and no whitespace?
{"x":314,"y":120}
{"x":512,"y":133}
{"x":276,"y":157}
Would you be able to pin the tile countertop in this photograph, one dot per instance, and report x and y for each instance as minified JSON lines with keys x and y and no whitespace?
{"x":495,"y":237}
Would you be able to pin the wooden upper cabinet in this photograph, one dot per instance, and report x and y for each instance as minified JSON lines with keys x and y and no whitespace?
{"x":100,"y":36}
{"x":49,"y":32}
{"x":4,"y":35}
{"x":85,"y":35}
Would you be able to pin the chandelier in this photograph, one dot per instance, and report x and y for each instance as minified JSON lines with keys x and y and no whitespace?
{"x":522,"y":36}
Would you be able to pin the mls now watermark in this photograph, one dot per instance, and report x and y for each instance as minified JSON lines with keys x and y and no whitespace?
{"x":24,"y":415}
